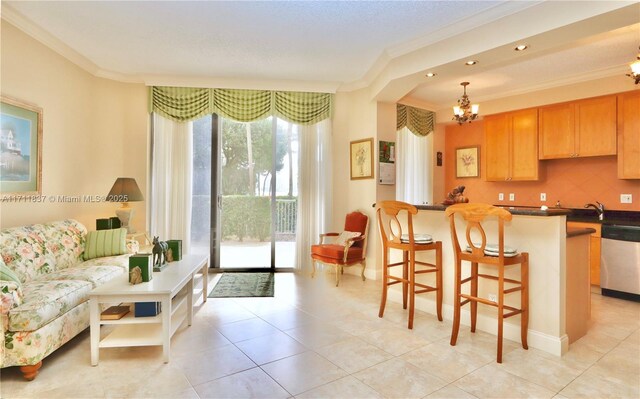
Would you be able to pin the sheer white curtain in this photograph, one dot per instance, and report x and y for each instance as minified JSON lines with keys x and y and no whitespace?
{"x":413,"y":167}
{"x":172,"y":175}
{"x":315,"y":194}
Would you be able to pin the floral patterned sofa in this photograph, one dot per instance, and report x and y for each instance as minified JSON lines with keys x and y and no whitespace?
{"x":49,"y":305}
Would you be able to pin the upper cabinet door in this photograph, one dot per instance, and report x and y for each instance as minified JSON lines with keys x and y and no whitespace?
{"x":496,"y":147}
{"x":511,"y":146}
{"x":596,"y":126}
{"x":556,"y":131}
{"x":629,"y":135}
{"x":524,"y":145}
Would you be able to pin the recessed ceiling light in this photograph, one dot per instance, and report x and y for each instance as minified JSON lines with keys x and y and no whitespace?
{"x":471,"y":62}
{"x":431,"y":74}
{"x":521,"y":47}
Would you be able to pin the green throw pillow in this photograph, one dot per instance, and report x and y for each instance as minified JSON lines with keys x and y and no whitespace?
{"x":7,"y":274}
{"x":105,"y":243}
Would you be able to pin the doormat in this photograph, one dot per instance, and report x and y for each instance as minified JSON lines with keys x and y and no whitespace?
{"x":238,"y":285}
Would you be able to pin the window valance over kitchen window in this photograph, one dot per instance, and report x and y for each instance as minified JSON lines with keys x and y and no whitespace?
{"x":419,"y":121}
{"x":185,"y":104}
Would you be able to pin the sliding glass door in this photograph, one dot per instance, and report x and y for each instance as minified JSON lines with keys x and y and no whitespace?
{"x":245,"y":192}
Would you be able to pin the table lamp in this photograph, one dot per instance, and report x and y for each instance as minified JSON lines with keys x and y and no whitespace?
{"x":125,"y":190}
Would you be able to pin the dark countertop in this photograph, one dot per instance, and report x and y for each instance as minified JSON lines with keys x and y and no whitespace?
{"x":625,"y":218}
{"x":579,"y":231}
{"x":515,"y":210}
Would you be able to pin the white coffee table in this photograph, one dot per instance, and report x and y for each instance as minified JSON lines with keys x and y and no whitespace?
{"x":173,"y":288}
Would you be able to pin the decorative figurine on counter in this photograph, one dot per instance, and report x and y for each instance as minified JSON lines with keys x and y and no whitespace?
{"x":159,"y":252}
{"x":456,"y":197}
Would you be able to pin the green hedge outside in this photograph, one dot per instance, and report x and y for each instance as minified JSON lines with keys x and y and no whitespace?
{"x":246,"y":216}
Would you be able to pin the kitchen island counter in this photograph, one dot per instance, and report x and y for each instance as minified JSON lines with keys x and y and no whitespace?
{"x":541,"y":233}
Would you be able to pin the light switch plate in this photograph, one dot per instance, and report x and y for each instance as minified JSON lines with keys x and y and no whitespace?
{"x":501,"y":197}
{"x":626,"y":198}
{"x":543,"y":196}
{"x":512,"y":196}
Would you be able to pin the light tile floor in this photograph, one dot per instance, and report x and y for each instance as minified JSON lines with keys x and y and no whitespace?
{"x":313,"y":340}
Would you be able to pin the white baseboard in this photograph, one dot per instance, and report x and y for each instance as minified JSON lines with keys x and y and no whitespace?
{"x":554,"y":345}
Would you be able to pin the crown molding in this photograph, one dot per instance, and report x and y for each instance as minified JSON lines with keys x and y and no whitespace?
{"x":10,"y":15}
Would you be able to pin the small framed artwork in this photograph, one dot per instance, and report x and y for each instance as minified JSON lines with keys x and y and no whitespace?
{"x":468,"y":161}
{"x":439,"y":158}
{"x":361,"y":159}
{"x":20,"y":147}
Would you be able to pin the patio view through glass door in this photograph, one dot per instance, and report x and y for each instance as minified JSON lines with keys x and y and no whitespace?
{"x":245,"y":195}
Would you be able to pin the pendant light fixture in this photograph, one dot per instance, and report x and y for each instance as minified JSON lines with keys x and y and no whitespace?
{"x":465,"y":111}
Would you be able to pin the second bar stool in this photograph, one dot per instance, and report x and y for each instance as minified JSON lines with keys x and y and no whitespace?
{"x":409,"y":243}
{"x":497,"y":255}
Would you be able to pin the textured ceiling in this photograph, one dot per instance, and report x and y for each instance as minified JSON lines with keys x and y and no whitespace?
{"x":318,"y":41}
{"x":342,"y":44}
{"x":589,"y":57}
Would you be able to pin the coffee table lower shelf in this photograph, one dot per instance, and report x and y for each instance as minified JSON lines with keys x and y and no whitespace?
{"x":141,"y":331}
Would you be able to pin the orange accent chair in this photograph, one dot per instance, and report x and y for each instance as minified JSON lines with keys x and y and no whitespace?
{"x":497,"y":256}
{"x":352,"y":252}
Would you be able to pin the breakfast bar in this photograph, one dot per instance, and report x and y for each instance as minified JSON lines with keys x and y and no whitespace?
{"x":559,"y":287}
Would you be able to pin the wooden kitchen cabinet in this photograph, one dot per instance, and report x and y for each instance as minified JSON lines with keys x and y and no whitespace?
{"x":511,"y":146}
{"x":583,"y":128}
{"x":629,"y":135}
{"x":594,"y":249}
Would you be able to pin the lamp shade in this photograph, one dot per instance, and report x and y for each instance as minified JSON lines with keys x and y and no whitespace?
{"x":125,"y":189}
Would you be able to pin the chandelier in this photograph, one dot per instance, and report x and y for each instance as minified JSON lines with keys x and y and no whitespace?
{"x":465,"y":111}
{"x":635,"y":70}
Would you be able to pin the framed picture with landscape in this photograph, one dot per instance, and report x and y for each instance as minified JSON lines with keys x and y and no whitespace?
{"x":20,"y":147}
{"x":361,"y":159}
{"x":468,"y":161}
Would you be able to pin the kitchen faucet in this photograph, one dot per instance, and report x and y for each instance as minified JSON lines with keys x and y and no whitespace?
{"x":599,"y":208}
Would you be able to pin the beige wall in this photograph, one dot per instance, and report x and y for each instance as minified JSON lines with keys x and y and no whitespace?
{"x":94,"y":130}
{"x":355,"y":118}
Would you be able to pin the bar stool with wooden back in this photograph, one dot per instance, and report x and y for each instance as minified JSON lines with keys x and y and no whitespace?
{"x":498,"y":256}
{"x":409,"y":244}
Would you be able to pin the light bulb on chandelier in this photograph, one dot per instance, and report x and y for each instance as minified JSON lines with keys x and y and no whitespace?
{"x":465,"y":111}
{"x":635,"y":69}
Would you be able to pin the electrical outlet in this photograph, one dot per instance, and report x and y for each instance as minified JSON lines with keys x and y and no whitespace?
{"x":626,"y":198}
{"x":492,"y":297}
{"x":501,"y":197}
{"x":543,"y":196}
{"x":512,"y":196}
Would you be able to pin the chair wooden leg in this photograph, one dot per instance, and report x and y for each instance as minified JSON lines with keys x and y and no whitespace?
{"x":385,"y":277}
{"x":313,"y":268}
{"x":30,"y":372}
{"x":456,"y":306}
{"x":474,"y":293}
{"x":364,"y":264}
{"x":338,"y":273}
{"x":524,"y":301}
{"x":405,"y":276}
{"x":500,"y":311}
{"x":439,"y":281}
{"x":412,"y":288}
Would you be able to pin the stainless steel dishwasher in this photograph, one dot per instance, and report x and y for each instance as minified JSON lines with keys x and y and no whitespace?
{"x":620,"y":262}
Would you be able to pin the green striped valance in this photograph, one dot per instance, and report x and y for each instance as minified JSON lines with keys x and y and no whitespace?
{"x":184,"y":104}
{"x":419,"y":121}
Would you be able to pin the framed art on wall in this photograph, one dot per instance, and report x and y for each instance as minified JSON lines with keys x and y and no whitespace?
{"x":468,"y":161}
{"x":20,"y":147}
{"x":361,"y":159}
